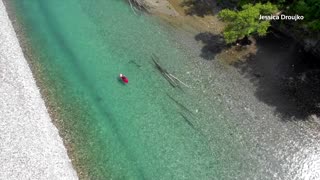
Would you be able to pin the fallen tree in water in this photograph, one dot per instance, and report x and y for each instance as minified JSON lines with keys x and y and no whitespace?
{"x":183,"y":107}
{"x":174,"y":81}
{"x":187,"y":120}
{"x":137,"y":4}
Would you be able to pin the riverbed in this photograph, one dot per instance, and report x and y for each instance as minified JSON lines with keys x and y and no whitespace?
{"x":216,"y":128}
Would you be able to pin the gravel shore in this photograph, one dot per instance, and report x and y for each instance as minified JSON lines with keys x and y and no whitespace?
{"x":156,"y":6}
{"x":30,"y":146}
{"x":263,"y":124}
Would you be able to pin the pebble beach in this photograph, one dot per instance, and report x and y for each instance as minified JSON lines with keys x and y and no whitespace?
{"x":30,"y":145}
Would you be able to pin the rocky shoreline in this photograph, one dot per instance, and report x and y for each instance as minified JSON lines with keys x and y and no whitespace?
{"x":207,"y":29}
{"x":31,"y":147}
{"x":240,"y":95}
{"x":174,"y":8}
{"x":155,"y":6}
{"x":178,"y":13}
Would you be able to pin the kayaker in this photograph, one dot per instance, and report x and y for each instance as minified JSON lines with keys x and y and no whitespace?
{"x":124,"y":78}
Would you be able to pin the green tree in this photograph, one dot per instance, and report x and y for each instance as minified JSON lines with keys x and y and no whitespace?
{"x":310,"y":9}
{"x":246,"y":22}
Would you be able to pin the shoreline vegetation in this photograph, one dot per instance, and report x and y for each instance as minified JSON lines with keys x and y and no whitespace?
{"x":203,"y":16}
{"x":300,"y":82}
{"x":202,"y":21}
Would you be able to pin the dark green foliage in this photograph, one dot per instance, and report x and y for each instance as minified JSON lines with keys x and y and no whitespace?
{"x":310,"y":9}
{"x":246,"y":22}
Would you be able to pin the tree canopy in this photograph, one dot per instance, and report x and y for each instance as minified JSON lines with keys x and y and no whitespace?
{"x":310,"y":9}
{"x":246,"y":21}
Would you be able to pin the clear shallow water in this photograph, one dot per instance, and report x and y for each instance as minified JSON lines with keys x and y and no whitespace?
{"x":130,"y":132}
{"x":136,"y":131}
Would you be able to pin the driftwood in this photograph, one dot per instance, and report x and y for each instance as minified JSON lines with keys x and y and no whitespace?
{"x":174,"y":81}
{"x":181,"y":106}
{"x":179,"y":81}
{"x":132,"y":8}
{"x":170,"y":80}
{"x":134,"y":4}
{"x":155,"y":60}
{"x":163,"y":71}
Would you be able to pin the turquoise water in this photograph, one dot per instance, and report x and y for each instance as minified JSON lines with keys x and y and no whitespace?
{"x":117,"y":131}
{"x":136,"y":131}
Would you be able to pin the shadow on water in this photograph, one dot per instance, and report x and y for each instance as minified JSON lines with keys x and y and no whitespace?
{"x":286,"y":77}
{"x":213,"y":44}
{"x":74,"y":59}
{"x":200,"y":7}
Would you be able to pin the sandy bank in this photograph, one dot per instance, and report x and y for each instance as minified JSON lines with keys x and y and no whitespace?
{"x":199,"y":18}
{"x":156,"y":6}
{"x":30,"y":146}
{"x":182,"y":13}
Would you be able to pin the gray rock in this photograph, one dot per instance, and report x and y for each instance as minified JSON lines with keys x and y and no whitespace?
{"x":30,"y":146}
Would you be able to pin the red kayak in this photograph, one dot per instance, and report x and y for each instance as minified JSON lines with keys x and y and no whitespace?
{"x":124,"y":78}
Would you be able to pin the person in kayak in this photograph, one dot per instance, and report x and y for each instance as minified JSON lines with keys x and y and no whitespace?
{"x":124,"y":78}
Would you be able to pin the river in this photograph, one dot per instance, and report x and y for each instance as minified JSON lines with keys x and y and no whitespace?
{"x":147,"y":129}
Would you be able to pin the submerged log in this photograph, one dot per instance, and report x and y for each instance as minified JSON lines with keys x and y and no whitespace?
{"x":179,"y":80}
{"x":132,"y":8}
{"x":155,"y":60}
{"x":164,"y":72}
{"x":174,"y":81}
{"x":180,"y":105}
{"x":138,"y":4}
{"x":187,"y":120}
{"x":170,"y":80}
